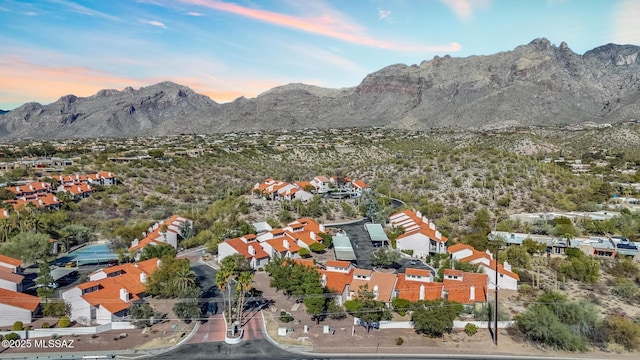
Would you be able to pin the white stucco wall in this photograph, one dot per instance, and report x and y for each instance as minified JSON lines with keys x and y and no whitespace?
{"x":11,"y":314}
{"x":80,"y":308}
{"x":416,"y":242}
{"x":8,"y":285}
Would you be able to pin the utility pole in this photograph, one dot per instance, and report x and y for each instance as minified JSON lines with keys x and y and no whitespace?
{"x":496,"y":311}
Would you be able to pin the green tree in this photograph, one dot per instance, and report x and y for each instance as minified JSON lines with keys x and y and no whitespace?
{"x":159,"y":251}
{"x":141,"y":314}
{"x":56,"y":308}
{"x":244,"y":284}
{"x":518,"y":257}
{"x":434,"y":318}
{"x":187,"y":307}
{"x":74,"y":234}
{"x":317,"y":247}
{"x":44,"y":282}
{"x":166,"y":281}
{"x":533,"y":247}
{"x":385,"y":257}
{"x":28,"y":247}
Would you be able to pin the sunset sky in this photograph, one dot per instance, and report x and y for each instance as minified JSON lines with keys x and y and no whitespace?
{"x":226,"y":49}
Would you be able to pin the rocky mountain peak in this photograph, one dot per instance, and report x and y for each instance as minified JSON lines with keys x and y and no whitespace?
{"x":532,"y":85}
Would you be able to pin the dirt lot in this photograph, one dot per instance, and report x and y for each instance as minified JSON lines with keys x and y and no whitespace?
{"x":158,"y":336}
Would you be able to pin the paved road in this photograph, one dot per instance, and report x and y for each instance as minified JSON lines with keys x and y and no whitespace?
{"x":212,"y":330}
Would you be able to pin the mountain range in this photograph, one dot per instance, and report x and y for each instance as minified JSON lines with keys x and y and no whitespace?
{"x":536,"y":84}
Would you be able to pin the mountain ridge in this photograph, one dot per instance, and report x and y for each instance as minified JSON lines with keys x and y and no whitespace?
{"x":534,"y":84}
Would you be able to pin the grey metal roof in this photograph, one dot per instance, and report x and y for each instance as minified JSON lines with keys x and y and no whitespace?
{"x":376,"y":232}
{"x":342,"y":248}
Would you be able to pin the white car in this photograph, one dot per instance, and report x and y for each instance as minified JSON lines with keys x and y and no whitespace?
{"x":53,"y":285}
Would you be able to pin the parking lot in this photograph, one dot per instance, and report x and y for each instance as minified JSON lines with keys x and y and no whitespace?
{"x":363,"y":247}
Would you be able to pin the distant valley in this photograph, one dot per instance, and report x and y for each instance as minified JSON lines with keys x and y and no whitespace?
{"x":538,"y":84}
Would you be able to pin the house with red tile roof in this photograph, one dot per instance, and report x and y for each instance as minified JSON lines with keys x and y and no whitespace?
{"x":77,"y":191}
{"x":336,"y":277}
{"x":420,"y":234}
{"x":247,"y":246}
{"x":322,"y":184}
{"x":109,"y":293}
{"x":104,"y":178}
{"x":465,"y":287}
{"x":285,"y":247}
{"x":17,"y":306}
{"x":380,"y":284}
{"x":280,"y":190}
{"x":416,"y":285}
{"x":30,"y":190}
{"x":507,"y":279}
{"x":169,"y":232}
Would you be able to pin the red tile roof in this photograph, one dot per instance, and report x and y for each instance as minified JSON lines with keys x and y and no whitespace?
{"x":338,"y":263}
{"x":418,"y":272}
{"x":337,"y":281}
{"x":19,"y":300}
{"x":9,"y":260}
{"x":460,"y":290}
{"x":410,"y":289}
{"x":243,"y":248}
{"x":7,"y":275}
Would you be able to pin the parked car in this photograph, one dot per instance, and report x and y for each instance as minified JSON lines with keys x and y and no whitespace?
{"x":53,"y":285}
{"x":414,"y":262}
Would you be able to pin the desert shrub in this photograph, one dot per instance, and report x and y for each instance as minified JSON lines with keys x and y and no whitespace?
{"x":18,"y":325}
{"x":538,"y":323}
{"x":623,"y":331}
{"x":470,"y":329}
{"x":625,"y":289}
{"x":11,"y":336}
{"x":399,"y":341}
{"x":304,"y":253}
{"x":285,"y":317}
{"x":46,"y":325}
{"x":64,"y":322}
{"x":401,"y":305}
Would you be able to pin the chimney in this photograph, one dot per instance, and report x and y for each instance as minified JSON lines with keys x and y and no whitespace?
{"x":312,"y":235}
{"x":507,"y":266}
{"x":438,"y":235}
{"x":252,"y":250}
{"x":432,"y":226}
{"x":421,"y":292}
{"x":425,"y":220}
{"x":143,"y":278}
{"x":375,"y":292}
{"x":324,"y":280}
{"x":418,"y":214}
{"x":472,"y":293}
{"x":158,"y":263}
{"x":285,"y":243}
{"x":124,"y":295}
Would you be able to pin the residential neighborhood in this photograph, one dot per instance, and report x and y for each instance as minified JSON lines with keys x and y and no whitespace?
{"x":380,"y":257}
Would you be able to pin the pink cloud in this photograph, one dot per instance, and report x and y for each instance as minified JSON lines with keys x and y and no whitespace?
{"x":329,"y":24}
{"x":464,"y":8}
{"x":22,"y":81}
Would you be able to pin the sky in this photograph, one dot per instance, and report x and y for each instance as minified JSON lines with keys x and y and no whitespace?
{"x":230,"y":48}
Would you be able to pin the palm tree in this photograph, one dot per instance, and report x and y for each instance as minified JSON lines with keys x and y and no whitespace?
{"x":184,"y":278}
{"x":245,"y":280}
{"x":223,"y":281}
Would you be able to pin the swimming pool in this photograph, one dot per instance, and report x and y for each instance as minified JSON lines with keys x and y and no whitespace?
{"x":90,"y":254}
